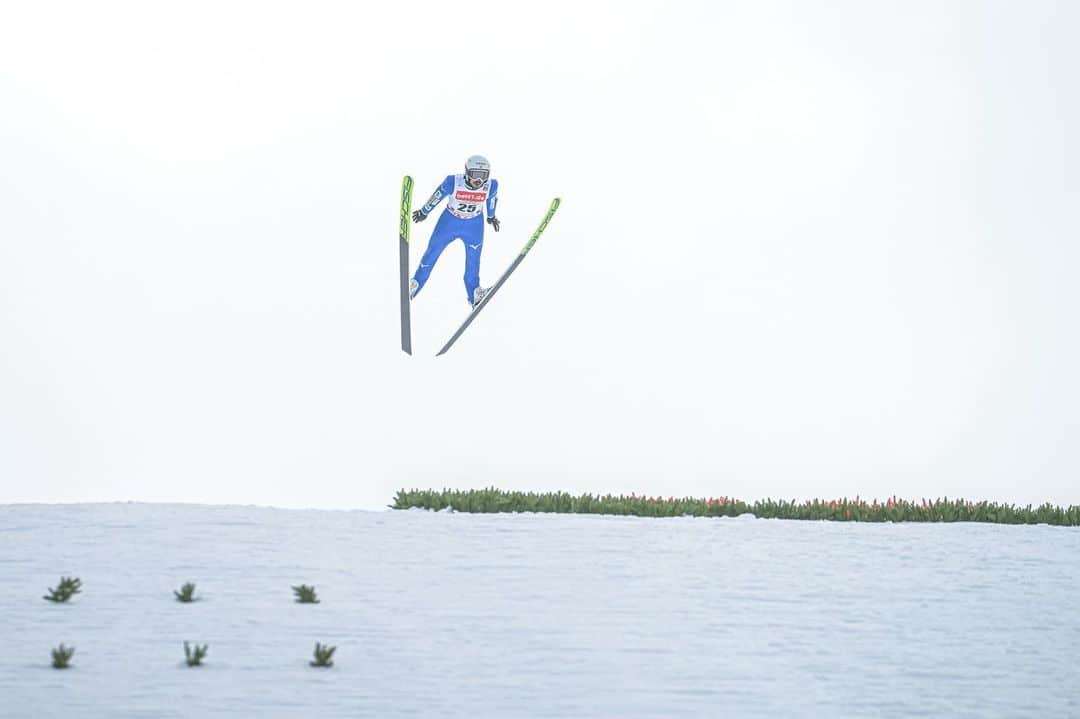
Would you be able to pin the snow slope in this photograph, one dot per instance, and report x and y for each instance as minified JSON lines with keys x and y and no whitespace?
{"x":442,"y":614}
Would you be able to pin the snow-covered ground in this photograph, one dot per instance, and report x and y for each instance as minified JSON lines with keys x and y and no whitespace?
{"x":442,"y":614}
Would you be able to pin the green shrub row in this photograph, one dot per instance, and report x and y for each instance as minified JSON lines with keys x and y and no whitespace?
{"x":69,"y":587}
{"x":193,"y":655}
{"x":892,"y":509}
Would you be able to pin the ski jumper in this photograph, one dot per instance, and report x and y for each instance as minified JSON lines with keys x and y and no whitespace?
{"x":462,"y":219}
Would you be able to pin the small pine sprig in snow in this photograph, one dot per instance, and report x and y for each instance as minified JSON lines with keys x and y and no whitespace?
{"x":194,"y":655}
{"x":305,"y":594}
{"x":64,"y":591}
{"x":186,"y":593}
{"x":322,"y":656}
{"x":61,"y":656}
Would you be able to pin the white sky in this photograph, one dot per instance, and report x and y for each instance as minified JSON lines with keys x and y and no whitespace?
{"x":805,"y":249}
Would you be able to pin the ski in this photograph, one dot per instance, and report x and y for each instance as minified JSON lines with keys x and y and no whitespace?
{"x":509,"y":270}
{"x":403,"y":262}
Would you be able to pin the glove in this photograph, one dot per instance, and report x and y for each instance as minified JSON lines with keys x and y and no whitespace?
{"x":494,"y":222}
{"x":419,"y":216}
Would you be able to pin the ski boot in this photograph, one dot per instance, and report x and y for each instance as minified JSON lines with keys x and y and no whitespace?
{"x":478,"y":296}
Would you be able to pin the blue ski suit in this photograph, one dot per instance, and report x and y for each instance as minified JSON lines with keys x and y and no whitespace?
{"x":462,"y":219}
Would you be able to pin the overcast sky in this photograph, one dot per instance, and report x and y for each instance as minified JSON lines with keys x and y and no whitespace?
{"x":805,"y":249}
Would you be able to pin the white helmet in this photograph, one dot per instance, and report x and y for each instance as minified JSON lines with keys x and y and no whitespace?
{"x":477,"y":170}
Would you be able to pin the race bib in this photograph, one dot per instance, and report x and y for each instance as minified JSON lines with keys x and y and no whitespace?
{"x":467,"y":203}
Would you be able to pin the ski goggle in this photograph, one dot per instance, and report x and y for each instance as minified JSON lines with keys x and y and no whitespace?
{"x":476,"y":174}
